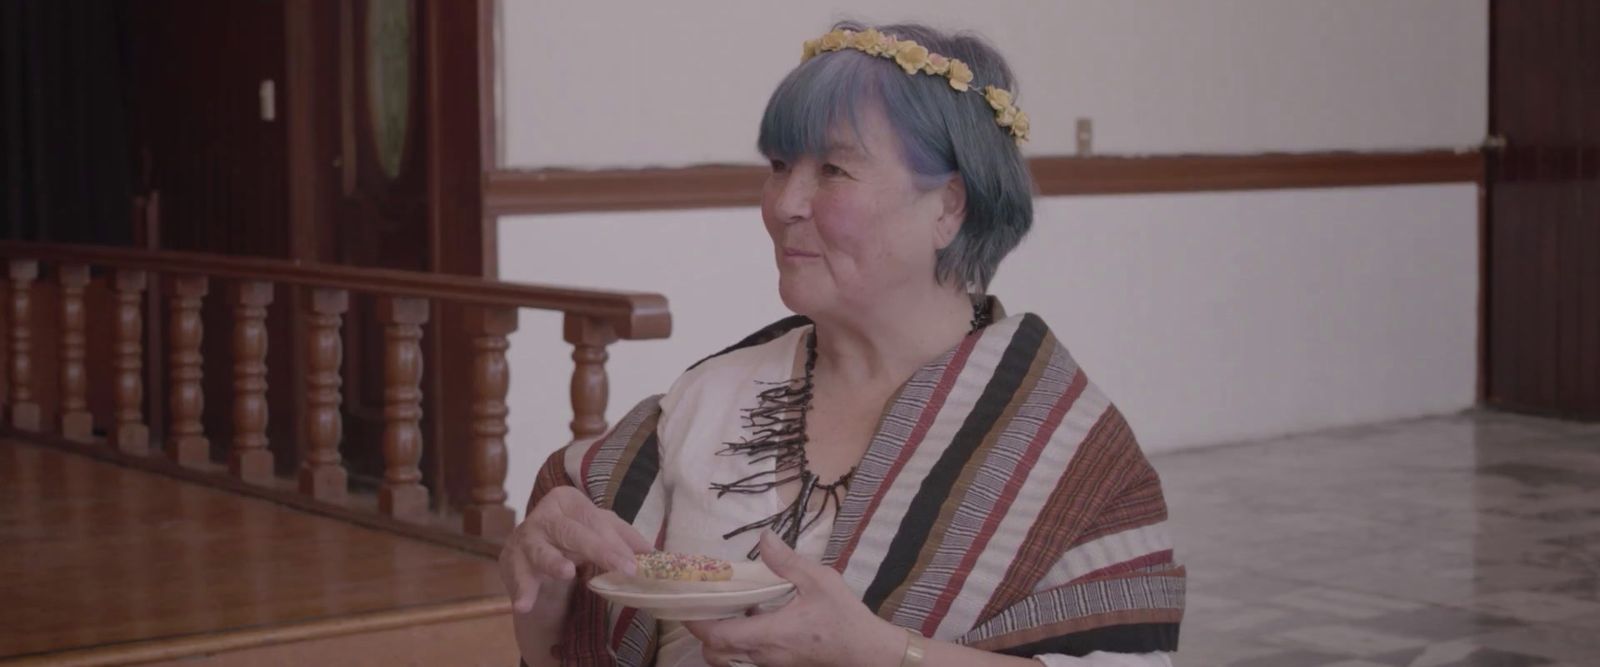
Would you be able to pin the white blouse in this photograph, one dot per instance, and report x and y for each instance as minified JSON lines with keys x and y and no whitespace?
{"x":714,"y":395}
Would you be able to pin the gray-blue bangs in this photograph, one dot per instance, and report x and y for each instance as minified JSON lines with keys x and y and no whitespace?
{"x":829,"y":93}
{"x":942,"y":131}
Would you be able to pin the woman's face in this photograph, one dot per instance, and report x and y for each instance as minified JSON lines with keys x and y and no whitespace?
{"x":851,"y":231}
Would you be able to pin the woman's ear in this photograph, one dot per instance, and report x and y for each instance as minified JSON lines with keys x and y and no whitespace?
{"x":954,"y":197}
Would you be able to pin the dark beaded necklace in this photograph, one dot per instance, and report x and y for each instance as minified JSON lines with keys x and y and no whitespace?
{"x":777,"y":427}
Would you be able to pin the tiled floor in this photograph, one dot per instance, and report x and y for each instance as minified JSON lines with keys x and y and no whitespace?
{"x":1471,"y":540}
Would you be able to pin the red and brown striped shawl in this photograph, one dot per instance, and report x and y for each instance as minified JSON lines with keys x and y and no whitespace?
{"x":1003,"y":503}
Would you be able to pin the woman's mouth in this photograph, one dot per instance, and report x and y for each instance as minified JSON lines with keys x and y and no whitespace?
{"x":792,"y":252}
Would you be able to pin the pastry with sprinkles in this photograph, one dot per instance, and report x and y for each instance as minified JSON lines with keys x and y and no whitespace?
{"x":682,"y":567}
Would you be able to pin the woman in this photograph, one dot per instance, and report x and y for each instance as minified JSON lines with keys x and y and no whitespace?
{"x":939,"y":480}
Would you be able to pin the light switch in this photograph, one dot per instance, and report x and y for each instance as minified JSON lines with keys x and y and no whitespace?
{"x":269,"y":101}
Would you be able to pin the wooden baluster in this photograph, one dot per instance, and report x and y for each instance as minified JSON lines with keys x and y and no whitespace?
{"x":322,"y":476}
{"x":402,"y":496}
{"x":250,"y":459}
{"x":487,"y":515}
{"x":24,"y":409}
{"x":186,"y":400}
{"x":589,"y":338}
{"x":130,"y":434}
{"x":76,"y":421}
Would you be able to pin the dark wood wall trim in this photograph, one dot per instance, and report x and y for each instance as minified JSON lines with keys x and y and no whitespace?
{"x":565,"y":190}
{"x":1267,"y":171}
{"x":508,"y":191}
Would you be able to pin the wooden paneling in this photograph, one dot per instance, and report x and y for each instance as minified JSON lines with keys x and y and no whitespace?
{"x":1544,"y":208}
{"x":558,"y":190}
{"x":99,"y":554}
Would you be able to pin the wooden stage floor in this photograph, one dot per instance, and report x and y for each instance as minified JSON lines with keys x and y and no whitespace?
{"x":93,"y":554}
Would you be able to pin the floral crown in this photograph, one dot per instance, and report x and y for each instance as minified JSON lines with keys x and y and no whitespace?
{"x":913,"y":58}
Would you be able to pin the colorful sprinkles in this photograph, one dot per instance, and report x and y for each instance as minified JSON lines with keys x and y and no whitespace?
{"x":681,"y":567}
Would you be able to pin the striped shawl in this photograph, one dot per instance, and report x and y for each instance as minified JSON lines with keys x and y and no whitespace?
{"x":1003,"y":504}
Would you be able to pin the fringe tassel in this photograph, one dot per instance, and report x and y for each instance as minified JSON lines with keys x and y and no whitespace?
{"x":777,"y":427}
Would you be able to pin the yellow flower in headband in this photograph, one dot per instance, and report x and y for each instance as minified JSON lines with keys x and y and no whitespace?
{"x":887,"y":44}
{"x":999,"y":98}
{"x":866,"y":41}
{"x":915,"y":58}
{"x":911,"y":56}
{"x":960,"y":75}
{"x":834,"y":41}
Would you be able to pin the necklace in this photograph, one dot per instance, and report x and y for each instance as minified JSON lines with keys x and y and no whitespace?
{"x":777,"y":427}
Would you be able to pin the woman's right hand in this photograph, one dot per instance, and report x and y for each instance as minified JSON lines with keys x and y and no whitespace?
{"x":565,"y":530}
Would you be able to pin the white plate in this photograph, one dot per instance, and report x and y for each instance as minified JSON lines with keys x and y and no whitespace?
{"x":752,"y":584}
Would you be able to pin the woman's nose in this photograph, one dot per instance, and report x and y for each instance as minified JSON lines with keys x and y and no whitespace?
{"x":794,"y":198}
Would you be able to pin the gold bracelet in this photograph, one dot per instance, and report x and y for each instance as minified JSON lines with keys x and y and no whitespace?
{"x":915,"y":650}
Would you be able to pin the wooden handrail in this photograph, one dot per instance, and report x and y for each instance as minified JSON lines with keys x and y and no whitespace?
{"x":634,"y":315}
{"x":593,"y":320}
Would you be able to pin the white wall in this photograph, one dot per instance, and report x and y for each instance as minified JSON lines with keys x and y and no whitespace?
{"x":602,"y":84}
{"x":1207,"y":317}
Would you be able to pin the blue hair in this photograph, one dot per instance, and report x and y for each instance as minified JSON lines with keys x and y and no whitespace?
{"x":942,"y":132}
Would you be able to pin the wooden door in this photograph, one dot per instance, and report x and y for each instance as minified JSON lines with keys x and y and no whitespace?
{"x":1543,"y":307}
{"x":337,"y":131}
{"x":387,"y":167}
{"x":380,"y":213}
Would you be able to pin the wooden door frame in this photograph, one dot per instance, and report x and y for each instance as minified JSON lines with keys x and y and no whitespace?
{"x":1485,"y":206}
{"x":456,"y":52}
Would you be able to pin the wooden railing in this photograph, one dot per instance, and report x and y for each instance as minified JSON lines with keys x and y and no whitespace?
{"x":593,"y":320}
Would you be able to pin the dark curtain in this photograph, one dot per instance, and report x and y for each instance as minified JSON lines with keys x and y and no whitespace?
{"x":64,"y":97}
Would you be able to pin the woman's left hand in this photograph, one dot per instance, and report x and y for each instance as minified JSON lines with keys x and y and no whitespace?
{"x":825,"y":623}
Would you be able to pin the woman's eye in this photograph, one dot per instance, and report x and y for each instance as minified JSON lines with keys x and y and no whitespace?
{"x":833,"y":170}
{"x":778,"y":167}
